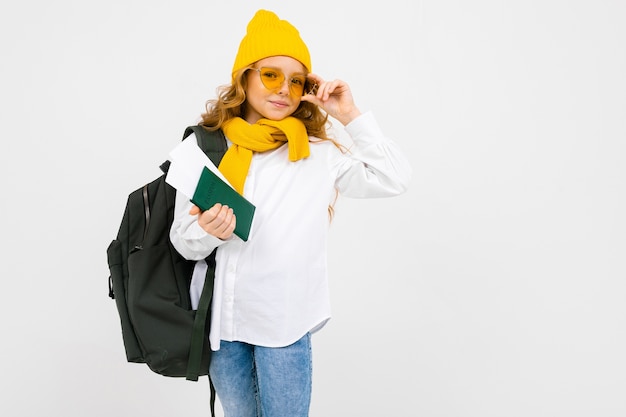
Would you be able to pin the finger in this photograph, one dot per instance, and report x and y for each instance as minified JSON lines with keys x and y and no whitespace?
{"x":231,"y":226}
{"x":213,"y":221}
{"x":221,"y":217}
{"x":226,"y":228}
{"x":206,"y":217}
{"x":324,"y":93}
{"x":311,"y":98}
{"x":321,"y":95}
{"x":330,"y":89}
{"x":315,"y":78}
{"x":194,"y":210}
{"x":214,"y":211}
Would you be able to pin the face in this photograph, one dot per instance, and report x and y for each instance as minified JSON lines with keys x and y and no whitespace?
{"x":279,"y":102}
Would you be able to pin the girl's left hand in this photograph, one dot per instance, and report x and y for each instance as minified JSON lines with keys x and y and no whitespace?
{"x":334,"y":97}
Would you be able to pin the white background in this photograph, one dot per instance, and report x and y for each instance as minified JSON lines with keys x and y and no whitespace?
{"x":494,"y":287}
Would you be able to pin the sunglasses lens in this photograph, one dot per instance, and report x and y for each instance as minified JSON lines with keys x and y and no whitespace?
{"x":273,"y":79}
{"x":296,"y":85}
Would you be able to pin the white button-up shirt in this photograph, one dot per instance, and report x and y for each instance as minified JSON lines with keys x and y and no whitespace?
{"x":272,"y":289}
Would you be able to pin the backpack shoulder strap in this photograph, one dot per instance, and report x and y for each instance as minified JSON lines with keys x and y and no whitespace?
{"x":212,"y":142}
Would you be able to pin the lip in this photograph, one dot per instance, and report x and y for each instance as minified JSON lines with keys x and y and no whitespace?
{"x":279,"y":103}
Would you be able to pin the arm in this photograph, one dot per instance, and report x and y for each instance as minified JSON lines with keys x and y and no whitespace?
{"x":375,"y":166}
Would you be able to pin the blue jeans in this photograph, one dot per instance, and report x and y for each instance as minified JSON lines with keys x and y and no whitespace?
{"x":256,"y":381}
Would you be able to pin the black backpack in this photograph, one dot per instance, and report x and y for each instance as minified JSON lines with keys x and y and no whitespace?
{"x":150,"y":281}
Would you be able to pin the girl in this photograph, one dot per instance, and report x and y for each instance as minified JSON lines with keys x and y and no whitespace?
{"x":271,"y":292}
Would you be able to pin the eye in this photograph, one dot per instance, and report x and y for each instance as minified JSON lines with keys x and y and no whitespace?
{"x":299,"y":81}
{"x":269,"y":74}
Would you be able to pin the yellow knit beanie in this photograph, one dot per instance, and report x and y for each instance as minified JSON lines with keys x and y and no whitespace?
{"x":267,"y":36}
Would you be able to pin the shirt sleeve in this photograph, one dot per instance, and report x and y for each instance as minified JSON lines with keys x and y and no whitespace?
{"x":186,"y":235}
{"x":374,"y":165}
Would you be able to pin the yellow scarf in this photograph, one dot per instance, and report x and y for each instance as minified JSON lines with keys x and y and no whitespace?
{"x":248,"y":138}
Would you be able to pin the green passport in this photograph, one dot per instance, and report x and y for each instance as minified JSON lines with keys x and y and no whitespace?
{"x":211,"y":189}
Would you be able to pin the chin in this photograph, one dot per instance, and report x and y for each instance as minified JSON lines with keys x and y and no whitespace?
{"x":276,"y":116}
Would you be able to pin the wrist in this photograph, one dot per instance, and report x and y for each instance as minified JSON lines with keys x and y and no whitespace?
{"x":346,"y":117}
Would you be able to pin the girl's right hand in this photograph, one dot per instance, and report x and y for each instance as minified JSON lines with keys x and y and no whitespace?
{"x":334,"y":97}
{"x":218,"y":221}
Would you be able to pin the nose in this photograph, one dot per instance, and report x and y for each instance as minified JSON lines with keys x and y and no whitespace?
{"x":284,"y":88}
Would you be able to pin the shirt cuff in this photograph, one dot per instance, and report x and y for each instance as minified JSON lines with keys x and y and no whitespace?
{"x":198,"y":234}
{"x":365,"y":128}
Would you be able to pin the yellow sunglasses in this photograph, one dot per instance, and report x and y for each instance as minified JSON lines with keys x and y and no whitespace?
{"x":273,"y":79}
